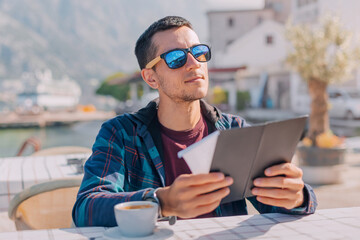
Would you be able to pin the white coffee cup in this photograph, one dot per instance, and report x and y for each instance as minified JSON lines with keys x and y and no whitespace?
{"x":136,"y":218}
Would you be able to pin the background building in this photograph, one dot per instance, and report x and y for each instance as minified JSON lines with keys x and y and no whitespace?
{"x":251,"y":40}
{"x":227,"y":26}
{"x":254,"y":40}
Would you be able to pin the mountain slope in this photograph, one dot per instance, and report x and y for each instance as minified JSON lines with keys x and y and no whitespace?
{"x":82,"y":39}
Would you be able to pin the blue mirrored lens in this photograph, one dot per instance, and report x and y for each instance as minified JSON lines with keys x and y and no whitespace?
{"x":175,"y":59}
{"x":201,"y":53}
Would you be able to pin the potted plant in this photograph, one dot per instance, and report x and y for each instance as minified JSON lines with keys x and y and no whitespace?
{"x":321,"y":55}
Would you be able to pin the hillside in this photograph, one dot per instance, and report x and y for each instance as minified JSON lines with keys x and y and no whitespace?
{"x":81,"y":39}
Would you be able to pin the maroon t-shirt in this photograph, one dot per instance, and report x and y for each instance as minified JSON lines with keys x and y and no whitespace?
{"x":175,"y":141}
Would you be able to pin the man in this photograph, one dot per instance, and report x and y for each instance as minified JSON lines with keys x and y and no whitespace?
{"x":134,"y":155}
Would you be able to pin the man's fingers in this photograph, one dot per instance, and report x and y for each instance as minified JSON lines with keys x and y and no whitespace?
{"x":199,"y":179}
{"x":280,"y":182}
{"x":210,"y":187}
{"x":286,"y":203}
{"x":287,"y":169}
{"x":202,"y":204}
{"x":276,"y":193}
{"x":206,"y":208}
{"x":211,"y":197}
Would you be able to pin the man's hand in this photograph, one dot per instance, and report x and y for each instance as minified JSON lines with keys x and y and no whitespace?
{"x":193,"y":195}
{"x":285,"y":191}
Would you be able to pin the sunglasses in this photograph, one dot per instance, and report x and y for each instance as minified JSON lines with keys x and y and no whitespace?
{"x":177,"y":58}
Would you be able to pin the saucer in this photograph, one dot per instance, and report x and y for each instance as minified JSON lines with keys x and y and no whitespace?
{"x":159,"y":233}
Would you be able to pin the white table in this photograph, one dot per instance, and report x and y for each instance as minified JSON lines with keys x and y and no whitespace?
{"x":339,"y":223}
{"x":18,"y":173}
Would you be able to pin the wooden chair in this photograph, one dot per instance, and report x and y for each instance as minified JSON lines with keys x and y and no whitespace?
{"x":61,"y":150}
{"x":45,"y":205}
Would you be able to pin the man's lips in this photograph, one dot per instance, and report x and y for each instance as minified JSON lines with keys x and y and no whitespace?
{"x":195,"y":78}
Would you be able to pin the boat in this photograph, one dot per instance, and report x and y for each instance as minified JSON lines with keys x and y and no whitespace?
{"x":42,"y":92}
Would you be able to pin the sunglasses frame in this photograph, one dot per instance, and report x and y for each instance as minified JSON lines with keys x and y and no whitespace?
{"x":153,"y":62}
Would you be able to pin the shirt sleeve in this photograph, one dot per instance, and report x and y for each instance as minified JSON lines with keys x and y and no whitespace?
{"x":103,"y":183}
{"x":309,"y":206}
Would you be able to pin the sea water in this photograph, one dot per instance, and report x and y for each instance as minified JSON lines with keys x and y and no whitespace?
{"x":79,"y":134}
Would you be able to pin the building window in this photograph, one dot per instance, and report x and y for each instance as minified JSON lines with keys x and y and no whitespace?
{"x":301,"y":3}
{"x":230,"y":22}
{"x":278,"y":7}
{"x":269,"y":40}
{"x":228,"y":42}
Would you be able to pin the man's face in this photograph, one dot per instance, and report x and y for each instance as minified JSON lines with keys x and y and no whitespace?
{"x":187,"y":83}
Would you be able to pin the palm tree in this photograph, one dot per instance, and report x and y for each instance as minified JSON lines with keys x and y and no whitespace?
{"x":321,"y":55}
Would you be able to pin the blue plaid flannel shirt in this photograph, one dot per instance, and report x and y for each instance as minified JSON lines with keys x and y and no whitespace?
{"x":127,"y":162}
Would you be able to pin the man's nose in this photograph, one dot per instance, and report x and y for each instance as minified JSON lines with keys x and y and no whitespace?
{"x":191,"y":62}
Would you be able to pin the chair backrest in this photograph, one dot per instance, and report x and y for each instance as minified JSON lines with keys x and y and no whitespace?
{"x":61,"y":150}
{"x":45,"y":205}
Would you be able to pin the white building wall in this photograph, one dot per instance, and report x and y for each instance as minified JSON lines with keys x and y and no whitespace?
{"x":281,"y":9}
{"x":300,"y":100}
{"x":222,"y":33}
{"x":227,"y":26}
{"x":313,"y":10}
{"x":254,"y":51}
{"x":304,"y":11}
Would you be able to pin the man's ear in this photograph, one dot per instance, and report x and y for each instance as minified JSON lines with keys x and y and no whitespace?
{"x":149,"y":76}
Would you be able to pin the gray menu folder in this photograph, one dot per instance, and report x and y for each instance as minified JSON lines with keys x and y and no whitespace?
{"x":244,"y":153}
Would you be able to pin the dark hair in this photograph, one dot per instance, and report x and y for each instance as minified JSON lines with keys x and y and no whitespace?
{"x":145,"y":50}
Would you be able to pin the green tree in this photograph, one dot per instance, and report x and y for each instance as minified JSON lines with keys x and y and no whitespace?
{"x":321,"y":55}
{"x":120,"y":91}
{"x":242,"y":99}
